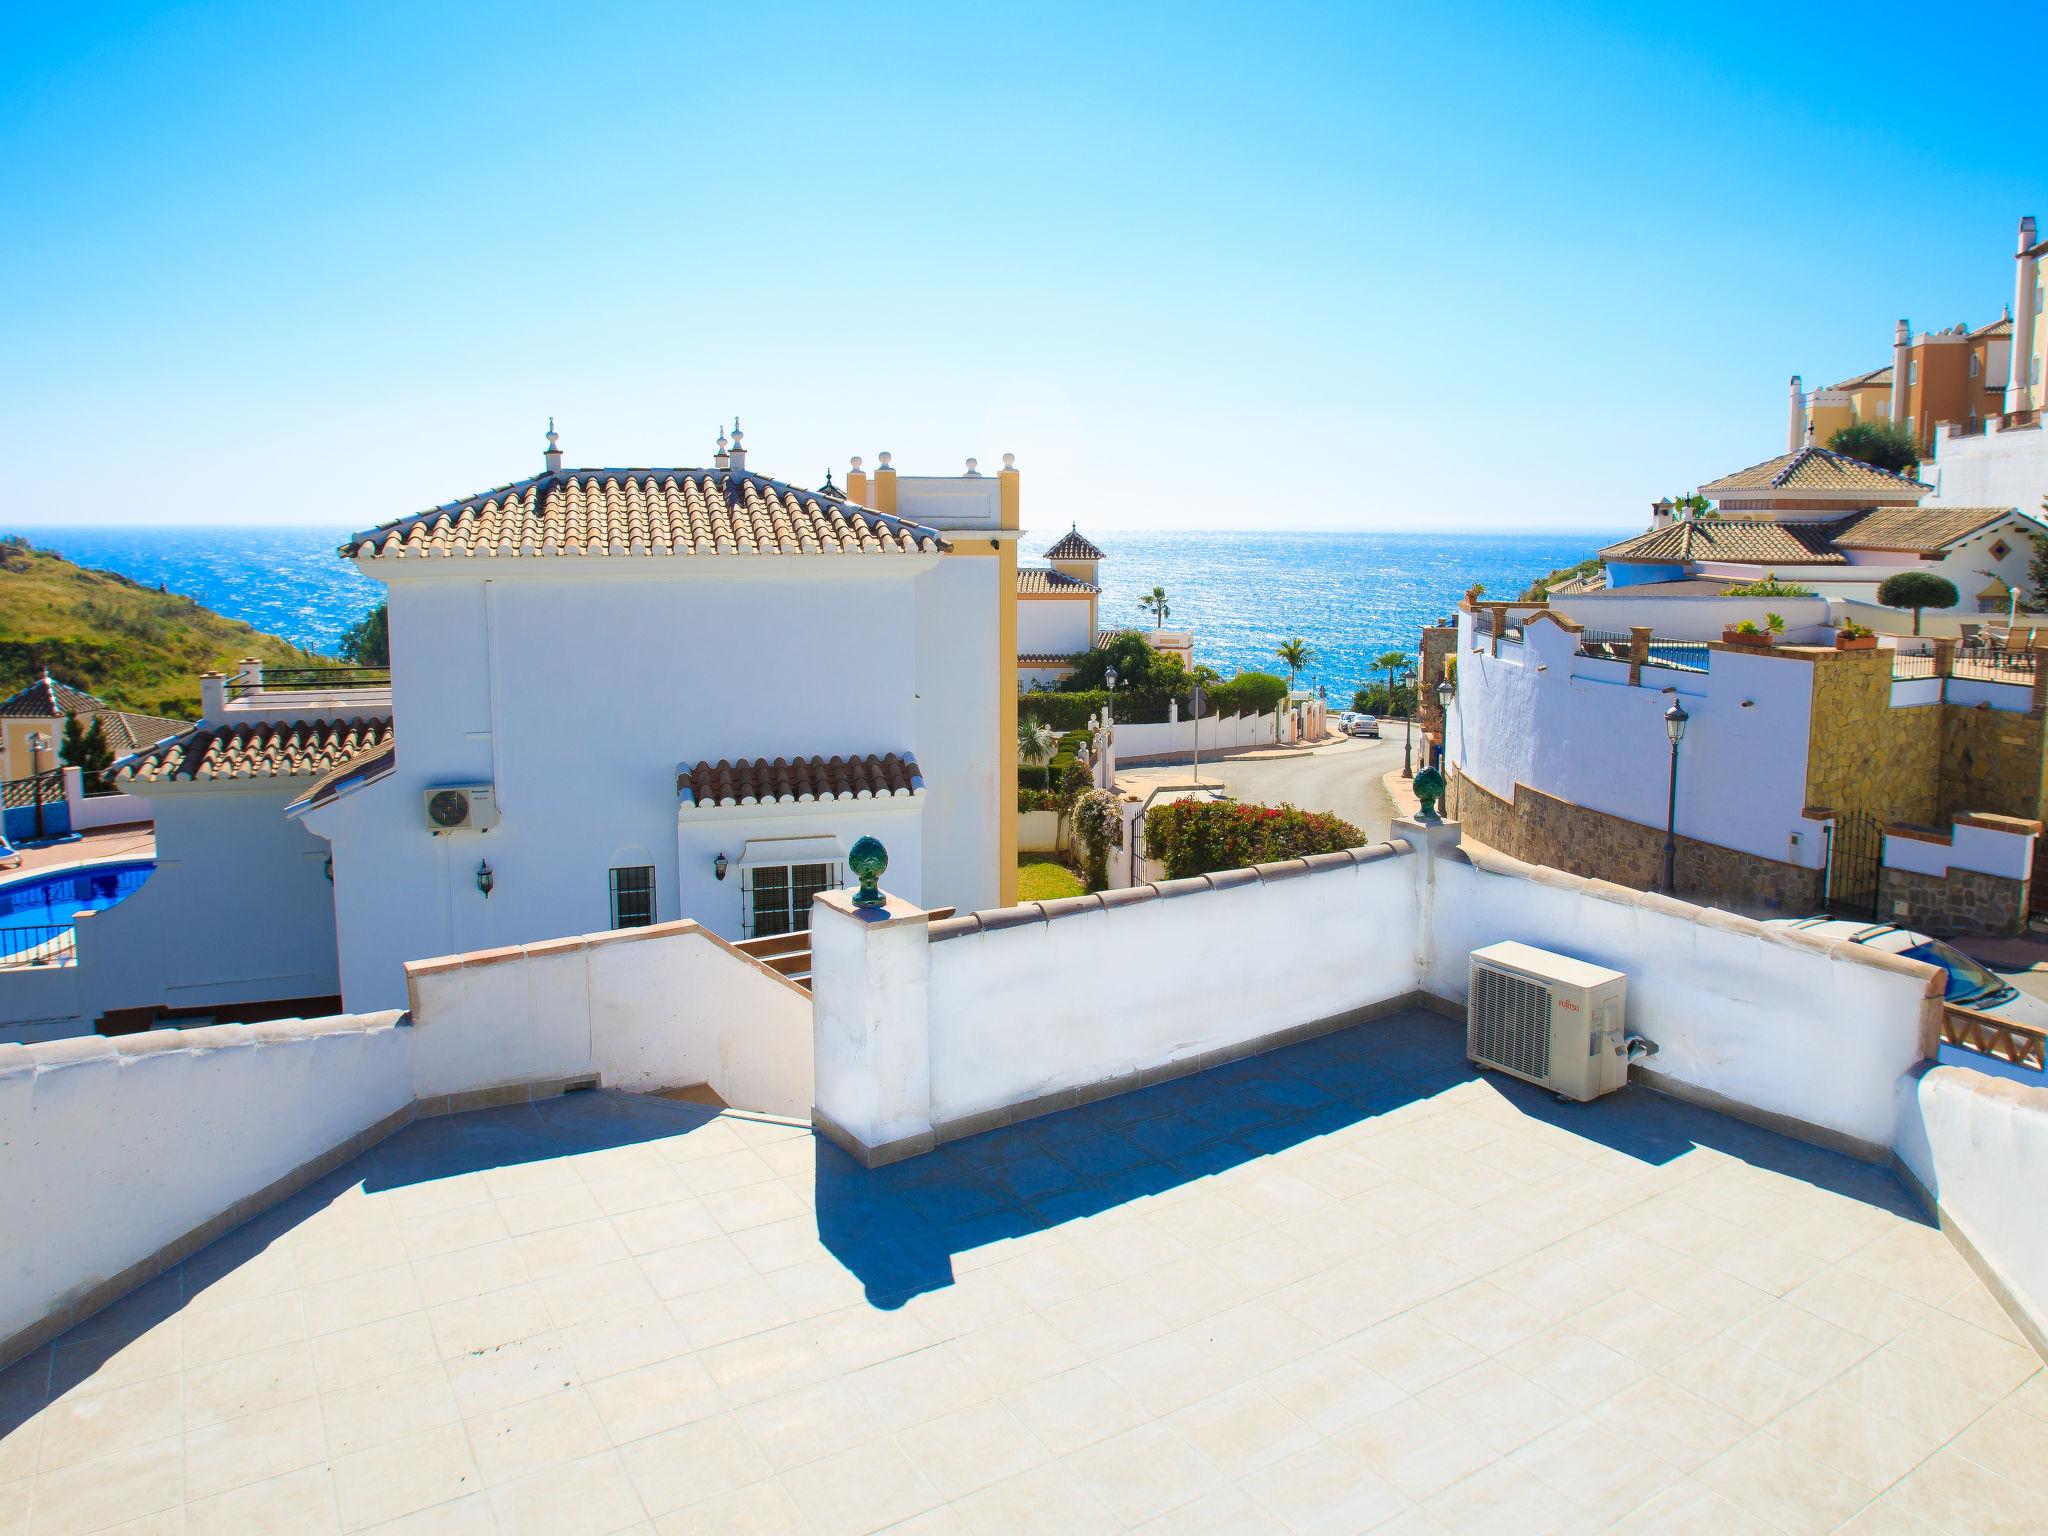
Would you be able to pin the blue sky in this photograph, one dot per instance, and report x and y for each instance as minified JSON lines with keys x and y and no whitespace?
{"x":1227,"y":267}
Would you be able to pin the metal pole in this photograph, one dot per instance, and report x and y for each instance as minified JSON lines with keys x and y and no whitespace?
{"x":1670,"y":831}
{"x":1408,"y":737}
{"x":35,"y":772}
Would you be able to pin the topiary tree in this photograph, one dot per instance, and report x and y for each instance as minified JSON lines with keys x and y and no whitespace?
{"x":1882,"y":444}
{"x":1917,"y":590}
{"x":85,"y":748}
{"x":2037,"y":567}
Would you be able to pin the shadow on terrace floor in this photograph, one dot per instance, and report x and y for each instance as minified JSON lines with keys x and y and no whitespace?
{"x":899,"y":1227}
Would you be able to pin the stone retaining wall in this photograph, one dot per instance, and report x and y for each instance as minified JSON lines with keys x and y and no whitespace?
{"x":1542,"y":829}
{"x":1966,"y":901}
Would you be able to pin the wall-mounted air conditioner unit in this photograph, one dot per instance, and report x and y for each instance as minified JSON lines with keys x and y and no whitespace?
{"x":460,"y":808}
{"x":1548,"y":1019}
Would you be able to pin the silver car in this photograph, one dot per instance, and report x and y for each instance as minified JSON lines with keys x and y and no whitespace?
{"x":1363,"y":725}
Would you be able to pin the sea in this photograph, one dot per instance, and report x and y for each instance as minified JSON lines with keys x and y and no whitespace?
{"x":1350,"y":595}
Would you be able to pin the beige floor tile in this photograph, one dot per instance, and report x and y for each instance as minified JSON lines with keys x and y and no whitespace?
{"x":2010,"y":1442}
{"x":1485,"y":1316}
{"x":1324,"y":1489}
{"x":1884,"y":1518}
{"x":537,"y":1210}
{"x":1416,"y":1449}
{"x":1572,"y":1365}
{"x":1836,"y":1429}
{"x":1932,"y":1402}
{"x":484,"y":1322}
{"x":1987,"y":1362}
{"x":364,"y":1353}
{"x":657,"y":1228}
{"x":1502,"y":1500}
{"x":738,"y":1310}
{"x":865,"y":1489}
{"x":1144,"y":1472}
{"x":1791,"y":1337}
{"x":807,"y":1424}
{"x":1955,"y":1494}
{"x":301,"y":1503}
{"x":137,"y":1480}
{"x":1046,"y":1501}
{"x":590,"y":1294}
{"x":551,"y":1431}
{"x":402,"y":1477}
{"x":635,"y":1404}
{"x":591,"y":1496}
{"x":1242,"y":1430}
{"x":689,"y":1268}
{"x":962,"y":1453}
{"x":1916,"y":1261}
{"x":262,"y":1445}
{"x":1015,"y":1352}
{"x":389,"y":1408}
{"x":1075,"y":1409}
{"x":510,"y":1374}
{"x":371,"y":1297}
{"x":441,"y":1232}
{"x":624,"y":1341}
{"x":913,"y":1388}
{"x":449,"y":1277}
{"x":763,"y":1509}
{"x":77,"y":1429}
{"x":685,"y":1466}
{"x":1674,"y":1424}
{"x":1226,"y":1512}
{"x":1330,"y":1390}
{"x":1412,"y":1352}
{"x":1779,"y":1484}
{"x":1739,"y":1380}
{"x":1503,"y":1409}
{"x":1690,"y":1508}
{"x":81,"y":1367}
{"x":1597,"y":1473}
{"x":243,"y":1327}
{"x":1857,"y":1303}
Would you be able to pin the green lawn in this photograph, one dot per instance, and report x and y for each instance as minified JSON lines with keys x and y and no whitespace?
{"x":1042,"y":879}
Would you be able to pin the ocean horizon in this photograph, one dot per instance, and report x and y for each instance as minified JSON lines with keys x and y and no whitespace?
{"x":1351,"y":595}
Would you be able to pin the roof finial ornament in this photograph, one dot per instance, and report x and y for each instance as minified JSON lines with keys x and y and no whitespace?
{"x":1809,"y":432}
{"x":553,"y":457}
{"x":828,"y":477}
{"x":721,"y":437}
{"x":737,"y":435}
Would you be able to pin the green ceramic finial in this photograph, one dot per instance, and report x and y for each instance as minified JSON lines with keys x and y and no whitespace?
{"x":1429,"y":790}
{"x":868,"y":859}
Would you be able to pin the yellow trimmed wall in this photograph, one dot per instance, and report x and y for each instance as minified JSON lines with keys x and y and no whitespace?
{"x":1010,"y":491}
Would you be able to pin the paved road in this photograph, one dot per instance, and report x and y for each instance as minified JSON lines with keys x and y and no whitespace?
{"x":1342,"y":777}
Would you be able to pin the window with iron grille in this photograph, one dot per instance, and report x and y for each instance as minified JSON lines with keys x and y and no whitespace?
{"x":776,"y":898}
{"x":633,"y":896}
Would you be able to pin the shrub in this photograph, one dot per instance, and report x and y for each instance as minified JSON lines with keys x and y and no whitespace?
{"x":1200,"y":837}
{"x":1037,"y":800}
{"x":1248,"y":693}
{"x":1883,"y":444}
{"x":1770,"y":586}
{"x":1099,"y":824}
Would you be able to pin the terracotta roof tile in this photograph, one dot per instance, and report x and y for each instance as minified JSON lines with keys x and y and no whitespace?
{"x":1732,"y":538}
{"x":262,"y":750}
{"x":1817,"y":470}
{"x":2002,"y":326}
{"x":126,"y":730}
{"x":1870,"y":380}
{"x":363,"y":768}
{"x":1921,"y":530}
{"x":759,"y":780}
{"x":610,"y":512}
{"x":1045,"y":659}
{"x":1042,"y":581}
{"x":1074,"y":547}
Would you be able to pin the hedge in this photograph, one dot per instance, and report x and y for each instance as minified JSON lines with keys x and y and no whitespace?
{"x":1201,"y":837}
{"x":1249,"y":693}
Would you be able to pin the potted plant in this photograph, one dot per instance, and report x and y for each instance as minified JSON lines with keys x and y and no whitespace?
{"x":1749,"y":635}
{"x":1855,"y":637}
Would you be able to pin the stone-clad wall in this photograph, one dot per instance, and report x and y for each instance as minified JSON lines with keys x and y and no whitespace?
{"x":1863,"y":755}
{"x":1965,"y":902}
{"x":1439,"y":641}
{"x":1991,"y":760}
{"x":1542,"y":829}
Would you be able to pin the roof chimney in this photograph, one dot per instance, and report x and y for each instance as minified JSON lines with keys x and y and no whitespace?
{"x":856,"y":483}
{"x":739,"y":448}
{"x":1902,"y":338}
{"x":721,"y":460}
{"x":1660,"y":512}
{"x":553,"y":457}
{"x":1798,"y":413}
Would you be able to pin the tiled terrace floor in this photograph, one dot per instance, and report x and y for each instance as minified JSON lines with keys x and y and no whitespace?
{"x":1345,"y":1287}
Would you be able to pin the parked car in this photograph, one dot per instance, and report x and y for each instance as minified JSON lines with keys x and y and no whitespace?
{"x":1362,"y":725}
{"x":1969,"y":983}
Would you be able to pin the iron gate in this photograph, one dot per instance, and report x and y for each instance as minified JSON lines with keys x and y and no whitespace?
{"x":1855,"y":854}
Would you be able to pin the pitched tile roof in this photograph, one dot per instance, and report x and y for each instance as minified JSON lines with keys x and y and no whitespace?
{"x":1731,"y":538}
{"x":48,"y":699}
{"x":1816,"y":470}
{"x":1040,"y":581}
{"x":263,"y":750}
{"x":1045,"y":659}
{"x":789,"y":781}
{"x":1074,"y":547}
{"x":645,"y":512}
{"x":1875,"y":377}
{"x":2002,"y":326}
{"x":350,"y":773}
{"x":1921,"y":530}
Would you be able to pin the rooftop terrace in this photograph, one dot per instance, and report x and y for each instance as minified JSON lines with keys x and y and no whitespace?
{"x":1342,"y":1286}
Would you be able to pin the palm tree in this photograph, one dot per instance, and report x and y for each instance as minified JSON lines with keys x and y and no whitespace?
{"x":1390,"y":662}
{"x":1296,"y":653}
{"x":1154,"y":603}
{"x":1037,"y":743}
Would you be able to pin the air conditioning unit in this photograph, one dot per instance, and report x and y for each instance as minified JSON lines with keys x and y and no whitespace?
{"x":1548,"y":1019}
{"x":460,"y":808}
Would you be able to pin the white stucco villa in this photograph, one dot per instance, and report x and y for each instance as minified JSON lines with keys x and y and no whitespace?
{"x":1821,"y":520}
{"x":1059,"y":614}
{"x":630,"y":695}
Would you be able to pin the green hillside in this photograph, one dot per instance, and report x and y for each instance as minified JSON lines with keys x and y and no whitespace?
{"x":132,"y":645}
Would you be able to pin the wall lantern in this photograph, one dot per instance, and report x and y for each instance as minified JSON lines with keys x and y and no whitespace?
{"x":720,"y":865}
{"x":1445,"y":692}
{"x":485,"y":880}
{"x":1674,"y":722}
{"x":327,"y":868}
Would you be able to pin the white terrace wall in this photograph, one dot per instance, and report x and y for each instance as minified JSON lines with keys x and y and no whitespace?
{"x":1979,"y":1149}
{"x":1176,"y":738}
{"x":1812,"y":1030}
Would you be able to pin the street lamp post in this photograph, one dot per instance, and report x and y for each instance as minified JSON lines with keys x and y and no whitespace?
{"x":1675,"y":719}
{"x":1408,"y":725}
{"x":38,"y":743}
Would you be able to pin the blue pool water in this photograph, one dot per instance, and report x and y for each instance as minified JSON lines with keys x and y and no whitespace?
{"x":53,"y":900}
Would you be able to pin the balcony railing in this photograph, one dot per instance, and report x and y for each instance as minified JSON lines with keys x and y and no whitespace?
{"x":1907,"y":666}
{"x":307,"y":680}
{"x":1679,"y":655}
{"x":1989,"y":665}
{"x":2022,"y":1045}
{"x":35,"y":944}
{"x":1604,"y":644}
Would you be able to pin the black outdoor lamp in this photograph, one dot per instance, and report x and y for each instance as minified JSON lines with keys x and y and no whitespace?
{"x":719,"y":866}
{"x":1675,"y":719}
{"x":485,"y":880}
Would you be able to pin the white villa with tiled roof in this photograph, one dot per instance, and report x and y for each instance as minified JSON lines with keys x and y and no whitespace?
{"x":677,"y":693}
{"x":1825,"y":521}
{"x":1059,"y":614}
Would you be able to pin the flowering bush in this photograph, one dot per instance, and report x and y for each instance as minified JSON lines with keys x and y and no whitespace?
{"x":1037,"y":800}
{"x":1199,"y":837}
{"x":1099,"y":824}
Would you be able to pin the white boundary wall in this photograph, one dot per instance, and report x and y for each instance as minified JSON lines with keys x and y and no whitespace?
{"x":1979,"y":1148}
{"x":1174,"y":738}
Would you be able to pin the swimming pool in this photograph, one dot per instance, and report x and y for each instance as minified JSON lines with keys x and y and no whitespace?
{"x":36,"y":911}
